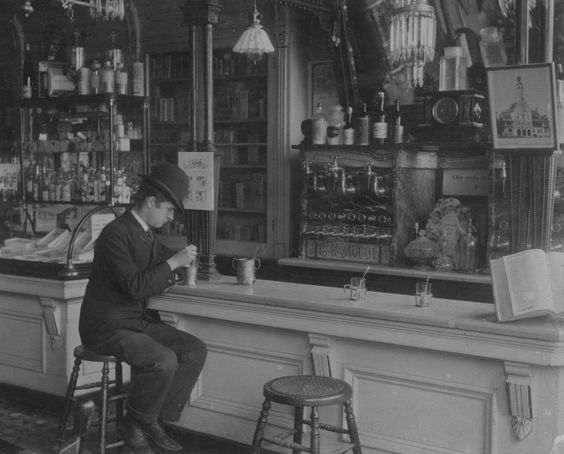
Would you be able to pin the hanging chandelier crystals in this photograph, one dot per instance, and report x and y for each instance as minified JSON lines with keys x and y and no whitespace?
{"x":412,"y":38}
{"x":99,"y":9}
{"x":254,"y":41}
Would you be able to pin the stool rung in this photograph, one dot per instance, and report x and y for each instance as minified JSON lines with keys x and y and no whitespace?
{"x":116,"y":444}
{"x":118,"y":397}
{"x":97,"y":384}
{"x":329,"y":427}
{"x":286,"y":444}
{"x":341,"y":450}
{"x":97,"y":423}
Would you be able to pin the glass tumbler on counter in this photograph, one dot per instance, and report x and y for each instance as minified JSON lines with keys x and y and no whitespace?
{"x":423,"y":294}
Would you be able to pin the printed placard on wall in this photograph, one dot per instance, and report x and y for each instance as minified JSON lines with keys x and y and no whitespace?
{"x":198,"y":165}
{"x":465,"y":182}
{"x":98,"y":222}
{"x":9,"y":178}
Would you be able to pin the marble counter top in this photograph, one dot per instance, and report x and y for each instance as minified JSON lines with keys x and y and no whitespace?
{"x":448,"y":325}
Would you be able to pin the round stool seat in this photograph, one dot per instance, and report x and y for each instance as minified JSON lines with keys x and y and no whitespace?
{"x":307,"y":390}
{"x":82,"y":353}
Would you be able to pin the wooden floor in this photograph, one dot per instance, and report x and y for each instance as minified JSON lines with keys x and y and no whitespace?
{"x":28,"y":423}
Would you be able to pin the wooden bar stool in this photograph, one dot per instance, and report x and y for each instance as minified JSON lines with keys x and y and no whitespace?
{"x":105,"y":385}
{"x":312,"y":391}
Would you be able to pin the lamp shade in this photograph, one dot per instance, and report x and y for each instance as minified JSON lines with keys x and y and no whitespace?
{"x":254,"y":41}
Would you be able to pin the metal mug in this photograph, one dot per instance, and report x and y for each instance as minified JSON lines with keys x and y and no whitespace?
{"x":246,"y":270}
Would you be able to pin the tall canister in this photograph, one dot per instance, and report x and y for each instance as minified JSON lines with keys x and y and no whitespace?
{"x":452,"y":69}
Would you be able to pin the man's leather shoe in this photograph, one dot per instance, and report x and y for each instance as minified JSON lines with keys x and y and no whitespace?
{"x":132,"y":434}
{"x":157,"y":435}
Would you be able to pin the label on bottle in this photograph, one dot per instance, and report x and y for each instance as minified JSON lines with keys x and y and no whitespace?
{"x":348,"y":136}
{"x":380,"y":130}
{"x":333,"y":135}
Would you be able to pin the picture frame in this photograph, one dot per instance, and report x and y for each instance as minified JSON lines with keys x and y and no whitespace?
{"x":522,"y":103}
{"x":322,"y":85}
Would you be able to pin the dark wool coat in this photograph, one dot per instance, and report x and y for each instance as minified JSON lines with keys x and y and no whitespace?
{"x":126,"y":270}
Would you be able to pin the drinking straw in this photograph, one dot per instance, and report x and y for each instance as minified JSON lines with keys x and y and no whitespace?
{"x":365,"y":272}
{"x":427,"y":282}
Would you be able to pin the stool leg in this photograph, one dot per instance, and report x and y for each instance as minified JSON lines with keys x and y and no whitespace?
{"x":259,"y":431}
{"x":104,"y":408}
{"x":353,"y":430}
{"x":69,"y":397}
{"x":314,"y":443}
{"x":119,"y":390}
{"x":298,"y":427}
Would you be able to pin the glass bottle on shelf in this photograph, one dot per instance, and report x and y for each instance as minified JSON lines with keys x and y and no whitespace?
{"x":467,"y":250}
{"x":334,"y":125}
{"x":397,"y":126}
{"x":121,"y":80}
{"x":363,"y":127}
{"x":319,"y":126}
{"x":95,"y":78}
{"x":348,"y":129}
{"x":107,"y":78}
{"x":27,"y":73}
{"x":137,"y":84}
{"x":380,"y":126}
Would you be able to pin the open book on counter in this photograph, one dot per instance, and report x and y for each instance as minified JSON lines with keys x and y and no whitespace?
{"x":528,"y":284}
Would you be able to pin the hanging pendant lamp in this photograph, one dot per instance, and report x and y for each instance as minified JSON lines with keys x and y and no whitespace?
{"x":254,"y":42}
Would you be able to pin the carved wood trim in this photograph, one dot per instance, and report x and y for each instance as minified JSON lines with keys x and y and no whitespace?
{"x":519,"y":397}
{"x":51,"y":322}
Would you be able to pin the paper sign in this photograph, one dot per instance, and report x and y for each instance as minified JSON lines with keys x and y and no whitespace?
{"x":9,"y":177}
{"x":465,"y":182}
{"x":198,"y":165}
{"x":98,"y":222}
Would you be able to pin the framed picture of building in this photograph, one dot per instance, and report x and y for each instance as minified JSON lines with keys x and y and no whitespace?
{"x":522,"y":102}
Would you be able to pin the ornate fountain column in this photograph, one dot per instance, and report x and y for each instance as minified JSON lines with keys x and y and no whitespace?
{"x":201,"y":16}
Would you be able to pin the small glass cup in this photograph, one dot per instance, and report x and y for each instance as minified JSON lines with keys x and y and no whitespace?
{"x":423,"y":294}
{"x":356,"y":290}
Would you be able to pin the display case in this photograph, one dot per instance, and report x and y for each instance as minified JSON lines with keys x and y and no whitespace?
{"x":240,"y":125}
{"x":78,"y":155}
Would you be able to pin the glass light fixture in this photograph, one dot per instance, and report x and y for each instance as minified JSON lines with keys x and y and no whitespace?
{"x":99,"y":9}
{"x":254,"y":42}
{"x":412,"y":38}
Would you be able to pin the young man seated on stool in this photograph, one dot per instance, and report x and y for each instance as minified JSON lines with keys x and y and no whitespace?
{"x":130,"y":265}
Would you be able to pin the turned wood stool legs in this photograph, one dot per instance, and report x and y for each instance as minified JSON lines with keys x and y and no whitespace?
{"x":118,"y":397}
{"x":302,"y":392}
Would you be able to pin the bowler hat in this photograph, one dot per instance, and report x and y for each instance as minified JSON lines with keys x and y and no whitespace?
{"x":171,"y":181}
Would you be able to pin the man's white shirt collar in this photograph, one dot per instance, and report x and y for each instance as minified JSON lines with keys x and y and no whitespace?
{"x":141,"y":221}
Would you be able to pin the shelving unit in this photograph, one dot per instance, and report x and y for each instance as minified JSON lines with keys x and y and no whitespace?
{"x":170,"y":104}
{"x":83,"y":149}
{"x":241,"y":133}
{"x":78,"y":156}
